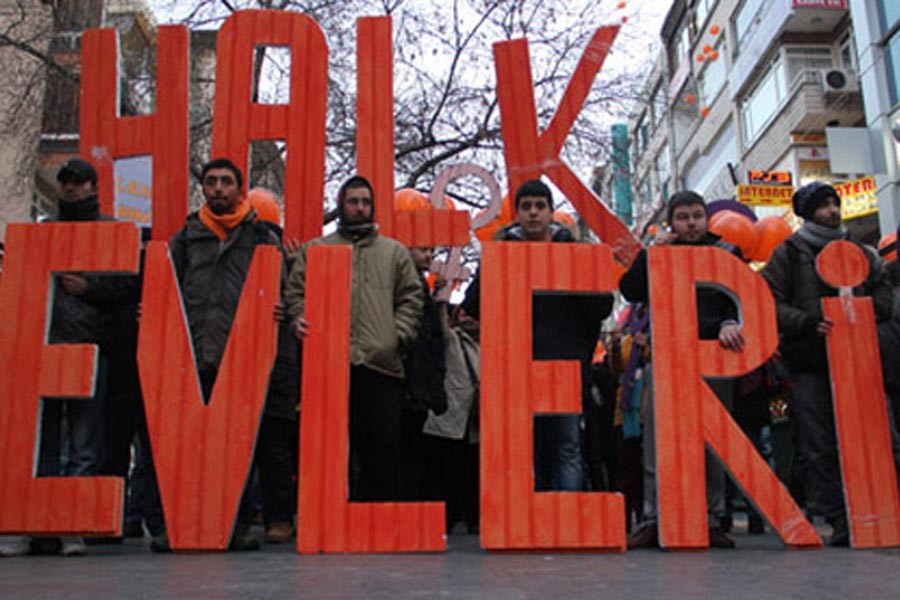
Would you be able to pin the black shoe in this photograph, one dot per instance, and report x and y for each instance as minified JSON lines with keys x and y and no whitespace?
{"x":160,"y":543}
{"x":133,"y":529}
{"x":719,"y":539}
{"x":840,"y":536}
{"x":645,"y":536}
{"x":243,"y":539}
{"x":755,"y":525}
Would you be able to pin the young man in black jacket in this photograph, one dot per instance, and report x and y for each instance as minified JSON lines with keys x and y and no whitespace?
{"x":717,"y":319}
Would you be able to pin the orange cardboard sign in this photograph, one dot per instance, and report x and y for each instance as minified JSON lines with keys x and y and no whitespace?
{"x":530,"y":154}
{"x":202,"y":452}
{"x":237,"y":120}
{"x":375,"y":145}
{"x":514,"y":387}
{"x":106,"y":136}
{"x":326,"y":521}
{"x":687,"y":411}
{"x":32,"y":369}
{"x":860,"y":407}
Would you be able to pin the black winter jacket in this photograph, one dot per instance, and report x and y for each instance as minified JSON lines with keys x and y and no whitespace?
{"x":798,"y":291}
{"x":713,"y":306}
{"x":211,"y":275}
{"x":425,"y":363}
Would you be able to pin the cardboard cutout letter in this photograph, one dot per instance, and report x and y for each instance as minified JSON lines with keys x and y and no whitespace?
{"x":202,"y":452}
{"x":301,"y":123}
{"x":32,"y":369}
{"x":514,"y":387}
{"x":529,"y":154}
{"x":326,"y":521}
{"x":860,"y":407}
{"x":105,"y":135}
{"x":375,"y":145}
{"x":687,"y":411}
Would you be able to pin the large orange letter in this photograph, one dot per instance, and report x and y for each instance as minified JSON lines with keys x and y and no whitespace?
{"x":687,"y":411}
{"x":31,"y":369}
{"x":326,"y":521}
{"x":860,"y":407}
{"x":528,"y":154}
{"x":514,"y":387}
{"x":301,"y":123}
{"x":106,"y":136}
{"x":203,"y":452}
{"x":375,"y":145}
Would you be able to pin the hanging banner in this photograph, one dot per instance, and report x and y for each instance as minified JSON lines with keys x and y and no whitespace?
{"x":858,"y":197}
{"x":764,"y":195}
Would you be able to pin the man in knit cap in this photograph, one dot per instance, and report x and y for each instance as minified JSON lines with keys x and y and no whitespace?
{"x":798,"y":291}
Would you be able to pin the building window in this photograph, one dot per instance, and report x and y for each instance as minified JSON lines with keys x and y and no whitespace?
{"x":747,"y":18}
{"x":685,"y":116}
{"x":662,"y":165}
{"x":682,"y":48}
{"x":763,"y":102}
{"x":848,"y":52}
{"x":713,"y":77}
{"x":889,"y":11}
{"x":892,"y":50}
{"x":657,"y":106}
{"x":642,"y":135}
{"x":807,"y":58}
{"x":702,"y":10}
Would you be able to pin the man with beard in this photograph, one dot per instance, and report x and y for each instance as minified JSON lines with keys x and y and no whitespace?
{"x":211,"y":255}
{"x":798,"y":291}
{"x":386,"y":304}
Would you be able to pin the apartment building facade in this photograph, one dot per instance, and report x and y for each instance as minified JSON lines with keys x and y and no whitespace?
{"x":742,"y":87}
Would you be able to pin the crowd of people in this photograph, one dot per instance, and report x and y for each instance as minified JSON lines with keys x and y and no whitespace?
{"x":414,"y":365}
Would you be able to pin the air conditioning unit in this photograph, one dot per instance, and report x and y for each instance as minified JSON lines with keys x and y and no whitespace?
{"x":839,"y":81}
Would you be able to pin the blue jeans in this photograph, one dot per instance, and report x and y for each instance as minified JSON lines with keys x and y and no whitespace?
{"x":557,"y":453}
{"x":77,"y":449}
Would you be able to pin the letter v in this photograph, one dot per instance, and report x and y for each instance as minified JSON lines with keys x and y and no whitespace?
{"x":203,"y":452}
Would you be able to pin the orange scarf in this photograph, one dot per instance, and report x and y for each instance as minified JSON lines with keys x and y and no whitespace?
{"x":222,"y":225}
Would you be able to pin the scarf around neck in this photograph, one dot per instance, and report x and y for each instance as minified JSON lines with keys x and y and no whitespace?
{"x":222,"y":225}
{"x":83,"y":210}
{"x":818,"y":235}
{"x":357,"y":231}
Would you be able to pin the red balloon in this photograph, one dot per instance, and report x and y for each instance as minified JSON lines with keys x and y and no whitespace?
{"x":736,"y":229}
{"x":886,"y":241}
{"x":771,"y":231}
{"x":410,"y":199}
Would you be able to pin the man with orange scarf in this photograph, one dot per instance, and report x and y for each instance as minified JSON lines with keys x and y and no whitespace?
{"x":212,"y":255}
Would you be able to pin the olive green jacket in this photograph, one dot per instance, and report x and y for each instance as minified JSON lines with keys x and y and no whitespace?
{"x":385,"y":304}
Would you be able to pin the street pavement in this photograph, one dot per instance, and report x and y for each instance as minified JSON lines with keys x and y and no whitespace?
{"x":759,"y":568}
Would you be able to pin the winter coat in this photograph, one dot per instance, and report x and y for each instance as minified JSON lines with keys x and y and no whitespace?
{"x":461,"y":385}
{"x":211,"y":275}
{"x":713,"y":306}
{"x":425,"y":363}
{"x":386,"y":299}
{"x":798,"y":291}
{"x":889,"y":338}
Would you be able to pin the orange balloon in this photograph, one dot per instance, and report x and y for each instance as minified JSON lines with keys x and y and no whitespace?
{"x":736,"y":229}
{"x":410,"y":199}
{"x":264,"y":203}
{"x":621,"y":5}
{"x":690,"y":98}
{"x":707,"y":49}
{"x":704,"y":112}
{"x":714,"y":55}
{"x":886,"y":241}
{"x":564,"y":218}
{"x":714,"y":30}
{"x":625,"y":19}
{"x":771,"y":231}
{"x":651,"y":231}
{"x":486,"y":233}
{"x":701,"y":58}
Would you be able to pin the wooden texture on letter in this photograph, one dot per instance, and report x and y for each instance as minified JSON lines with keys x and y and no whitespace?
{"x":687,"y":411}
{"x":32,"y":369}
{"x":202,"y":452}
{"x":514,"y":387}
{"x":106,"y":136}
{"x":860,"y":407}
{"x":237,"y":120}
{"x":375,"y":145}
{"x":529,"y":154}
{"x":326,"y":521}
